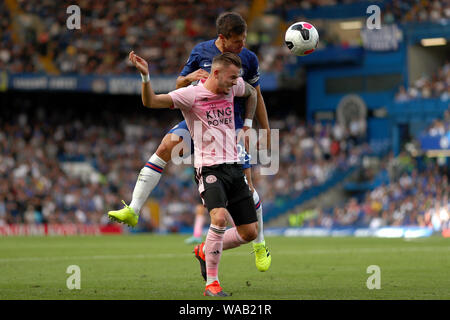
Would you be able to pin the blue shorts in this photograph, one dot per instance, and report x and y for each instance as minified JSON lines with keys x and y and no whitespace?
{"x":182,"y":131}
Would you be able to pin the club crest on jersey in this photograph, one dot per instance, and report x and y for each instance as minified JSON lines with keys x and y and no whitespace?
{"x":211,"y":179}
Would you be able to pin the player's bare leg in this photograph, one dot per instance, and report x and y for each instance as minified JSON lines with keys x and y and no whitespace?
{"x":147,"y":180}
{"x":263,"y":259}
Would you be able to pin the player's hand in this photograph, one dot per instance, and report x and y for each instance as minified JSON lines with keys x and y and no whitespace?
{"x":139,"y":63}
{"x":197,"y":75}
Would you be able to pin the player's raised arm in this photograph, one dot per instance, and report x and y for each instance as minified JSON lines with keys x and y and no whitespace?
{"x":261,"y":111}
{"x":250,"y":105}
{"x":250,"y":93}
{"x":262,"y":118}
{"x":246,"y":90}
{"x":149,"y":98}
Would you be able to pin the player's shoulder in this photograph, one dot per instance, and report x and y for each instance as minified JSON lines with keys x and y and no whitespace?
{"x":191,"y":89}
{"x":203,"y":46}
{"x":248,"y":55}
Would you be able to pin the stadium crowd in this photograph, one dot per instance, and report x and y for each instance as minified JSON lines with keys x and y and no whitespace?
{"x":162,"y":31}
{"x":416,"y":193}
{"x":436,"y":85}
{"x":413,"y":197}
{"x":274,"y":57}
{"x":412,"y":192}
{"x":417,"y":11}
{"x":394,"y":11}
{"x":74,"y":167}
{"x":60,"y":168}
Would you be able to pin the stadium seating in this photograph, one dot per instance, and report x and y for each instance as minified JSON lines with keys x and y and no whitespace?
{"x":433,"y":85}
{"x":51,"y":161}
{"x":416,"y":195}
{"x":407,"y":192}
{"x":35,"y":38}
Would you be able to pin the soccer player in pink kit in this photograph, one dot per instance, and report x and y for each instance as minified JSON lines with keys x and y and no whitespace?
{"x":231,"y":34}
{"x":208,"y":110}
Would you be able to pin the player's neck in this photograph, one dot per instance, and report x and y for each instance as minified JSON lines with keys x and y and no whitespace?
{"x":219,"y":44}
{"x":211,"y":86}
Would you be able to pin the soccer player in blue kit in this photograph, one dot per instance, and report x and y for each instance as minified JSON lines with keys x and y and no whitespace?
{"x":232,"y":32}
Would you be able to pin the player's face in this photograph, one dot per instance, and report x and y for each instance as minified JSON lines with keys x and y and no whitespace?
{"x":235,"y":43}
{"x":227,"y":77}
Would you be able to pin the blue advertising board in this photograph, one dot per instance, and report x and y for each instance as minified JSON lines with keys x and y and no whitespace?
{"x":125,"y":84}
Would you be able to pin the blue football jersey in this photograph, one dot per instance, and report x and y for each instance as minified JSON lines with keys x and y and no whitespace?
{"x":202,"y":56}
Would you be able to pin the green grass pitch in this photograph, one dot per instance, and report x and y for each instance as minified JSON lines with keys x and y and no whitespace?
{"x":154,"y":267}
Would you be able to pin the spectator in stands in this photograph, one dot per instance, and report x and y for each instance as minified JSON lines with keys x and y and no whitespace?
{"x":401,"y":95}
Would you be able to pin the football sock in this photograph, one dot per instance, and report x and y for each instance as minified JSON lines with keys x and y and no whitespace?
{"x":213,"y":252}
{"x":198,"y":225}
{"x":259,"y":215}
{"x":232,"y":239}
{"x":147,"y":180}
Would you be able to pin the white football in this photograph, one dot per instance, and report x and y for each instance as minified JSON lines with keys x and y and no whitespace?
{"x":301,"y":38}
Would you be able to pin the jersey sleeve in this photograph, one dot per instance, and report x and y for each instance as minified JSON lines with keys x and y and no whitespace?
{"x":183,"y":98}
{"x":192,"y":64}
{"x":253,"y":71}
{"x":239,"y":88}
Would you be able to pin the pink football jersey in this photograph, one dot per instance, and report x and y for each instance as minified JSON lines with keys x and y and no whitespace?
{"x":210,"y":119}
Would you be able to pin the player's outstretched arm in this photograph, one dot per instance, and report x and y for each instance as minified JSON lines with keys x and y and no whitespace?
{"x":263,"y":120}
{"x":250,"y":108}
{"x":149,"y":98}
{"x":251,"y":103}
{"x":261,"y":111}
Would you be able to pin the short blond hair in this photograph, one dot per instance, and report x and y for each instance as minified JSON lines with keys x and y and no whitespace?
{"x":228,"y":58}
